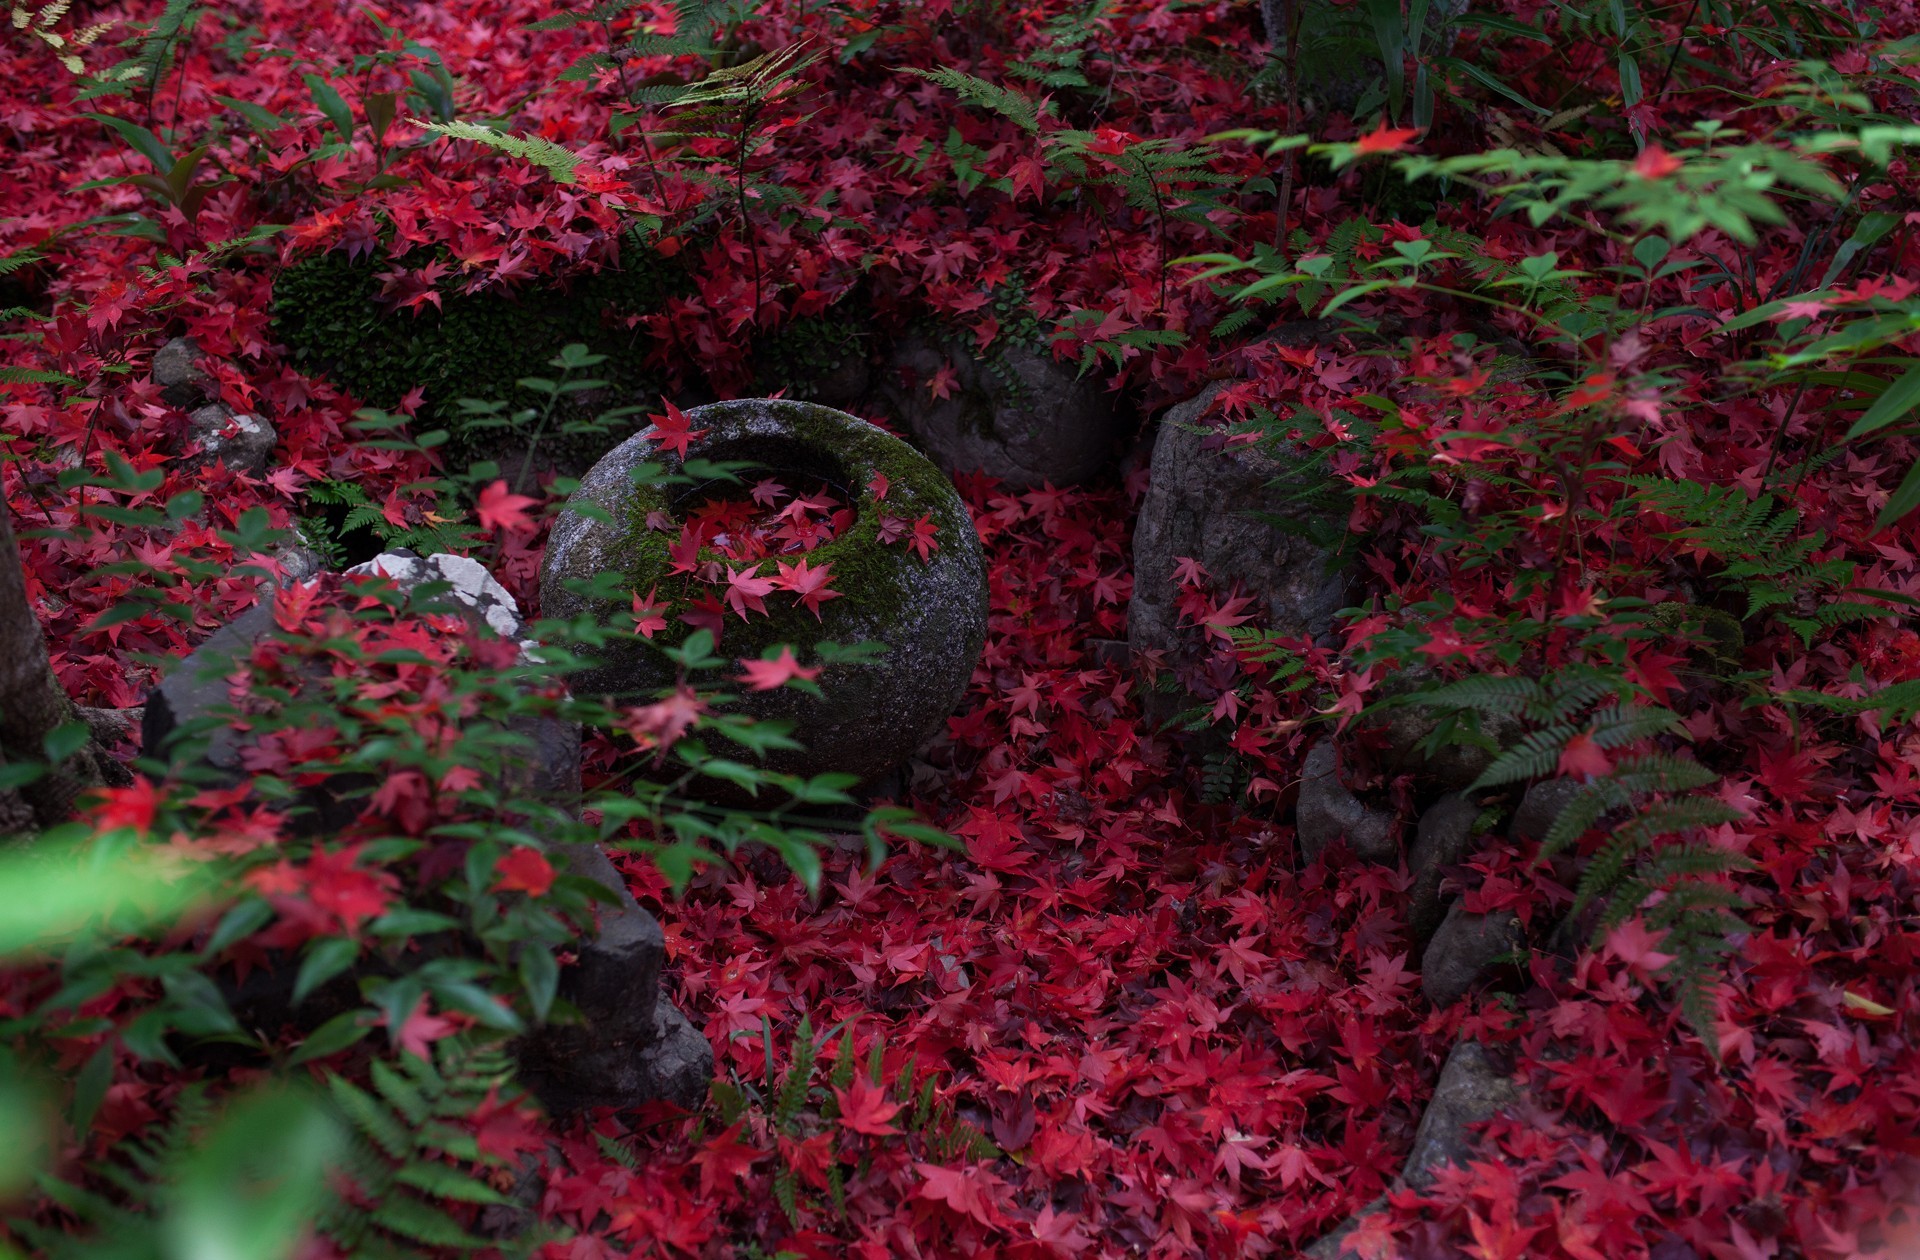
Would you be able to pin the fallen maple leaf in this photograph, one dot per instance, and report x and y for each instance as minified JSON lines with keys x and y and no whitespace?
{"x":765,"y":675}
{"x":673,"y":431}
{"x":1582,"y":758}
{"x":808,"y":583}
{"x":865,"y":1108}
{"x":648,"y":616}
{"x":968,"y":1191}
{"x":1655,"y":162}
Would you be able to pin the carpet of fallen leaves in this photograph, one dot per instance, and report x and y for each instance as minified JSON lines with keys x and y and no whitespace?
{"x":1180,"y":1041}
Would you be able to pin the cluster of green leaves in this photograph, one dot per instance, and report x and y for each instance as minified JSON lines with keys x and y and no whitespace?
{"x":1649,"y":865}
{"x":1763,"y":552}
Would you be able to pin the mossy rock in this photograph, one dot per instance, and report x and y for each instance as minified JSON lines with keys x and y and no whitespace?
{"x":931,"y":615}
{"x":476,"y":345}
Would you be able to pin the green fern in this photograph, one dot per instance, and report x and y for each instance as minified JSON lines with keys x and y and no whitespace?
{"x":136,"y":1175}
{"x":408,"y":1138}
{"x":1017,"y":107}
{"x":561,"y":163}
{"x":1760,"y":551}
{"x":1645,"y":866}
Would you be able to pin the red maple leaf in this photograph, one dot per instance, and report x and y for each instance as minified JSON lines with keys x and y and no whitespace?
{"x":673,"y":431}
{"x":1385,"y":139}
{"x":522,"y":869}
{"x":747,"y":592}
{"x":1655,"y":162}
{"x":723,"y":1159}
{"x":971,"y":1192}
{"x":924,"y":541}
{"x":335,"y":883}
{"x":1583,"y":758}
{"x":865,"y":1107}
{"x":133,"y":806}
{"x":649,"y":616}
{"x":766,"y":675}
{"x":419,"y":1031}
{"x":500,"y":508}
{"x":808,"y":583}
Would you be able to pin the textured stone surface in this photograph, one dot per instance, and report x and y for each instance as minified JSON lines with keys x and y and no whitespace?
{"x":176,"y":370}
{"x":469,"y":582}
{"x":1541,"y":805}
{"x":1444,"y":839}
{"x":930,"y":615}
{"x":1473,"y":1088}
{"x":195,"y":687}
{"x":109,"y":726}
{"x":1202,"y":503}
{"x":1034,"y":421}
{"x":633,"y":1047}
{"x":242,"y":442}
{"x":1327,"y":812}
{"x":1463,"y":951}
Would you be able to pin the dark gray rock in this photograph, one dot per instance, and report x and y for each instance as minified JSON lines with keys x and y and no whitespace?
{"x":1327,"y":812}
{"x":1464,"y":950}
{"x":242,"y":442}
{"x":1020,"y":415}
{"x":191,"y":694}
{"x":931,"y":615}
{"x":1473,"y":1088}
{"x":1540,"y":807}
{"x":1443,"y":839}
{"x":176,"y":370}
{"x":631,"y":1047}
{"x":1204,"y":503}
{"x":109,"y":726}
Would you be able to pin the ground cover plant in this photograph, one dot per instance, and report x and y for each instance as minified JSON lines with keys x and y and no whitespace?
{"x":1572,"y":341}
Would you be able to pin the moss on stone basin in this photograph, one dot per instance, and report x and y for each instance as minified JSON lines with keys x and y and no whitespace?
{"x":931,"y":615}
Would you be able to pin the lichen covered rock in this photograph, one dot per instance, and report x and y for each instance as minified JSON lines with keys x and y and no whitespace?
{"x":930,"y":614}
{"x":1017,"y":414}
{"x":242,"y":442}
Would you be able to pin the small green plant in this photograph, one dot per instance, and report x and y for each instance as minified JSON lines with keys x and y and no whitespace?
{"x":553,"y":414}
{"x":804,"y":1101}
{"x":1648,"y":866}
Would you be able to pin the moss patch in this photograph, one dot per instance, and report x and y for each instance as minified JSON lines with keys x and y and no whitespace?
{"x":328,"y":311}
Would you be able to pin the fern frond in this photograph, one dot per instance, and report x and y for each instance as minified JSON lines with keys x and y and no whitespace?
{"x":560,"y":163}
{"x":1534,"y":757}
{"x":1022,"y":110}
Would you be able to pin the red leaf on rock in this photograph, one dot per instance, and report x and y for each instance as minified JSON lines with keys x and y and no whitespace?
{"x":674,"y":432}
{"x":767,"y":675}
